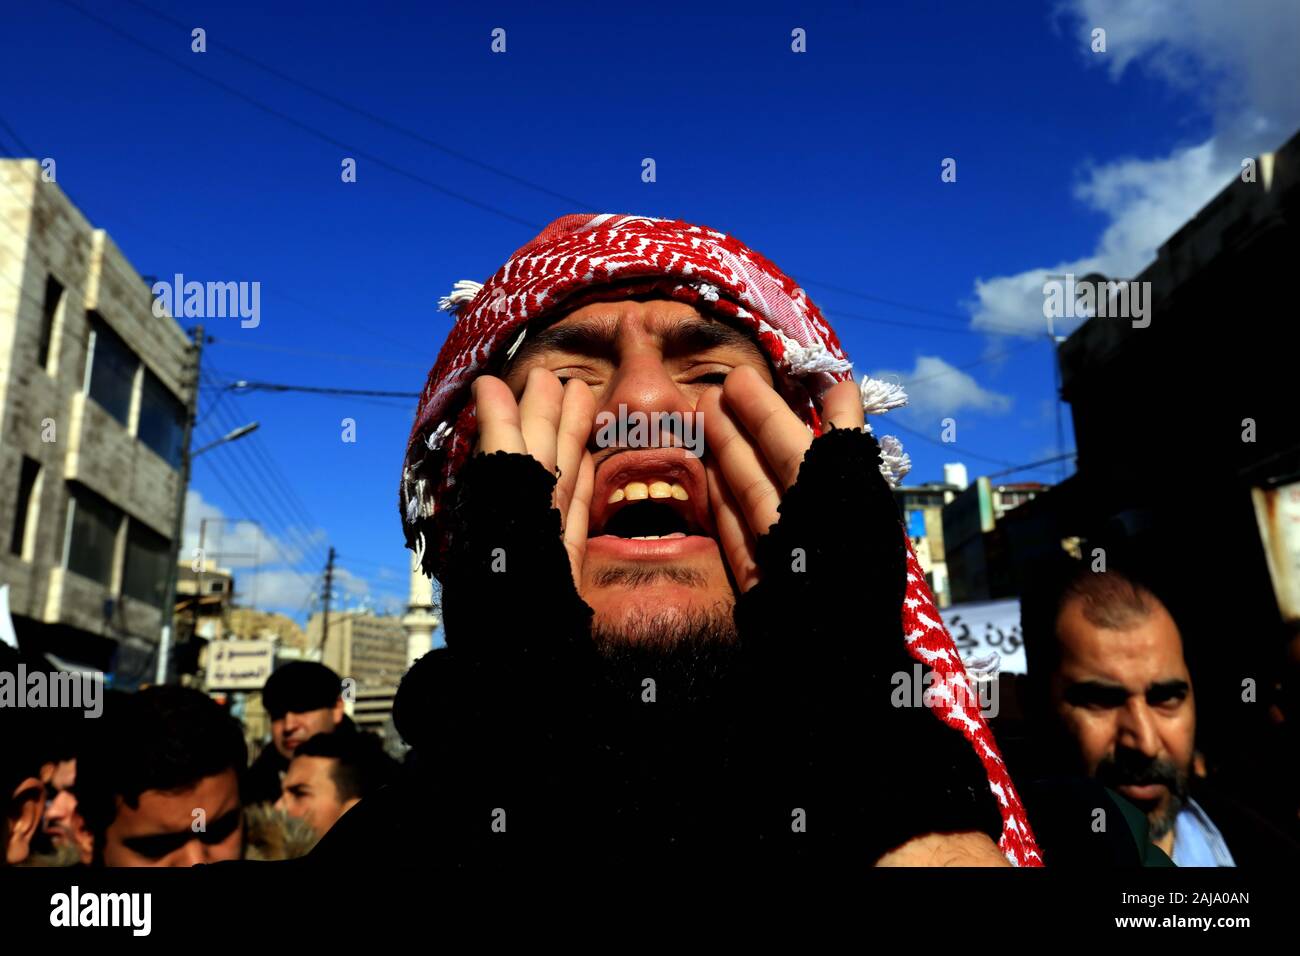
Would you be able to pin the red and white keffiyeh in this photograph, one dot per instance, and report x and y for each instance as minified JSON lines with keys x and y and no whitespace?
{"x":579,"y":259}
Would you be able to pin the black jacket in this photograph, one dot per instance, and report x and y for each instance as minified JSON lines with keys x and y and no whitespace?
{"x":262,"y":780}
{"x":524,"y":750}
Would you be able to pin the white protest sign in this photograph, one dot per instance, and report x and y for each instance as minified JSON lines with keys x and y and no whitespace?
{"x":988,"y":626}
{"x":239,"y":665}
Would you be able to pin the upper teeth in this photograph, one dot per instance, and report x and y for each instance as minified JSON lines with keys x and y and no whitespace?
{"x":639,"y":490}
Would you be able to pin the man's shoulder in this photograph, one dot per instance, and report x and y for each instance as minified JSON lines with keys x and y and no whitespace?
{"x":1252,"y":839}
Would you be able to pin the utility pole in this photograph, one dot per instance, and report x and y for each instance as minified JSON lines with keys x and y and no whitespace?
{"x":198,"y":579}
{"x":325,"y":616}
{"x":178,"y":527}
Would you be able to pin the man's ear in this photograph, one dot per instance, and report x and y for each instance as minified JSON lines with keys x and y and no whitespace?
{"x":24,"y":811}
{"x":338,"y":711}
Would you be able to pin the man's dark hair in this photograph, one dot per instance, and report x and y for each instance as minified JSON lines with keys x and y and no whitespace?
{"x":360,"y":765}
{"x":1118,"y":598}
{"x":300,"y":687}
{"x":162,"y":738}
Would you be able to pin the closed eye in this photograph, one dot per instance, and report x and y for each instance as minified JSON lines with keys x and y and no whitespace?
{"x":710,"y":378}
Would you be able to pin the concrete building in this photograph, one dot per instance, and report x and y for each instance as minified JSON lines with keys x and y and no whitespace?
{"x":974,"y":536}
{"x":921,"y":507}
{"x":92,"y":389}
{"x":371,"y":651}
{"x":203,"y":602}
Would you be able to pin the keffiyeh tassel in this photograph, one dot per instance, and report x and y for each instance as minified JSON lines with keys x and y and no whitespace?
{"x":461,"y":295}
{"x":894,"y":462}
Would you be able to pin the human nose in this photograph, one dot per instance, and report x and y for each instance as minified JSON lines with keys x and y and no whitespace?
{"x":1137,"y":728}
{"x":643,"y":384}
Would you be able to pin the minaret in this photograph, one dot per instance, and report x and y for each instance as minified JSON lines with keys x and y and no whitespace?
{"x":420,"y":622}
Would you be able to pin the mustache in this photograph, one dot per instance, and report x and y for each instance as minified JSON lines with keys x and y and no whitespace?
{"x":638,"y":576}
{"x":1127,"y":767}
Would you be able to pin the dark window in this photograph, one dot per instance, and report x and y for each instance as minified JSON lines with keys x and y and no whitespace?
{"x":112,"y":370}
{"x":53,"y":296}
{"x":217,"y":587}
{"x":92,"y":540}
{"x":26,"y":483}
{"x":162,"y":420}
{"x":147,"y":554}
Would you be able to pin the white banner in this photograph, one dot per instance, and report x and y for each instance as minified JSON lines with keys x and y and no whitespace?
{"x":988,"y":626}
{"x":239,"y":665}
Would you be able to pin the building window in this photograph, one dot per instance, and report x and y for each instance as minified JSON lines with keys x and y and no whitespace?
{"x":162,"y":420}
{"x":112,"y":370}
{"x":53,"y":296}
{"x":147,"y":554}
{"x":217,"y":587}
{"x":27,"y":477}
{"x":93,"y":524}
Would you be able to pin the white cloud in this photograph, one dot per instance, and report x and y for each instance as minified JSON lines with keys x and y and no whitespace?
{"x":279,"y":572}
{"x":241,"y":543}
{"x":1240,"y":57}
{"x":937,"y":389}
{"x":1244,"y":64}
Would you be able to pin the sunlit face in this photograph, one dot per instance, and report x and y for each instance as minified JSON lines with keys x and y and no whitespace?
{"x":200,"y":824}
{"x":62,"y":823}
{"x":654,"y":356}
{"x":311,"y":794}
{"x":1126,"y":698}
{"x":293,"y":729}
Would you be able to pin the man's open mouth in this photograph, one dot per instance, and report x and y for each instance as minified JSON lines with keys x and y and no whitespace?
{"x":650,"y":495}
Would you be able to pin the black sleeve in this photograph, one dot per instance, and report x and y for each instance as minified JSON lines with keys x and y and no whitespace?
{"x":518,"y":634}
{"x":508,"y":586}
{"x":823,"y":639}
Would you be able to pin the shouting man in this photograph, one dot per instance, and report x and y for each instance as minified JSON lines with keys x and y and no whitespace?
{"x":675,"y":584}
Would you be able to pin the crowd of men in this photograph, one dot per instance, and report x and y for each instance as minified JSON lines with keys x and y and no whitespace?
{"x":162,"y":777}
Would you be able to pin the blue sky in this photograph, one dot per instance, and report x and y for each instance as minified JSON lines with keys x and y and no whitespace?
{"x":827,"y":161}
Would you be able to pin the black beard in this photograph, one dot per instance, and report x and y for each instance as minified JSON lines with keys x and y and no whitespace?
{"x":1129,"y":767}
{"x":690,"y":657}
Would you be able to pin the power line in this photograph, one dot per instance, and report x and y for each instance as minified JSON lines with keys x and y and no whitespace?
{"x":375,"y":393}
{"x":948,"y":445}
{"x":464,"y":157}
{"x":350,"y":149}
{"x":1033,"y":465}
{"x":917,"y":327}
{"x":253,"y":447}
{"x":336,"y":356}
{"x":304,"y":544}
{"x":212,"y":463}
{"x":17,"y":139}
{"x":315,"y":310}
{"x":318,"y":390}
{"x":996,"y":357}
{"x":890,"y":302}
{"x":368,"y":115}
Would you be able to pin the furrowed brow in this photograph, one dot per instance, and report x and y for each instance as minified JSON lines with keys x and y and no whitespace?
{"x":596,"y":337}
{"x":700,"y":336}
